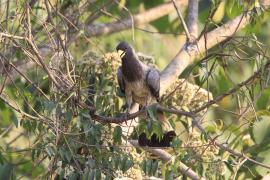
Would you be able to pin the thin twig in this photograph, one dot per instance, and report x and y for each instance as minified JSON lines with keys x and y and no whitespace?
{"x":235,"y":88}
{"x":226,"y":148}
{"x":182,"y":21}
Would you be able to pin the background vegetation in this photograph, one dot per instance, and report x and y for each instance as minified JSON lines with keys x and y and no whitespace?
{"x":58,"y":91}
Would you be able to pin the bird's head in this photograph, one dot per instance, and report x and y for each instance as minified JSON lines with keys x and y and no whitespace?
{"x":123,"y":48}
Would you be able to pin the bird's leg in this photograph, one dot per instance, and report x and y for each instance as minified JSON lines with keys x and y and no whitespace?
{"x":129,"y":103}
{"x":147,"y":103}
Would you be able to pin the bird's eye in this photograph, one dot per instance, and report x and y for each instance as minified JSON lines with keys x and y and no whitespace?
{"x":121,"y":53}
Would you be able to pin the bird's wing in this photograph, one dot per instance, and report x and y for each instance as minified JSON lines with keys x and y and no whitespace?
{"x":120,"y":79}
{"x":153,"y":82}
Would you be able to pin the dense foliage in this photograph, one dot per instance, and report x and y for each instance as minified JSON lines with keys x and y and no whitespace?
{"x":57,"y":83}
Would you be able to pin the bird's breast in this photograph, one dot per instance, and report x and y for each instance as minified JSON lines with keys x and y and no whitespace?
{"x":139,"y":91}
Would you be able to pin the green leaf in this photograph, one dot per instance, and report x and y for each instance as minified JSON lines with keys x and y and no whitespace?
{"x":6,"y":171}
{"x":73,"y":176}
{"x":126,"y":164}
{"x":149,"y":164}
{"x":204,"y":136}
{"x":263,"y":101}
{"x":233,"y":8}
{"x":33,"y":153}
{"x":134,"y":4}
{"x":5,"y":115}
{"x":29,"y":125}
{"x":149,"y":128}
{"x":98,"y":174}
{"x":68,"y":156}
{"x":149,"y":4}
{"x":157,"y":129}
{"x":68,"y":116}
{"x":260,"y":132}
{"x":49,"y":105}
{"x":19,"y":54}
{"x":222,"y":81}
{"x":1,"y":158}
{"x":176,"y":142}
{"x":263,"y":113}
{"x":117,"y":134}
{"x":92,"y":163}
{"x":116,"y":162}
{"x":143,"y":166}
{"x":211,"y":127}
{"x":204,"y":11}
{"x":152,"y":111}
{"x":169,"y":175}
{"x":154,"y":168}
{"x":91,"y":174}
{"x":85,"y":175}
{"x":263,"y":157}
{"x":15,"y":119}
{"x":51,"y":151}
{"x":108,"y":177}
{"x":162,"y":24}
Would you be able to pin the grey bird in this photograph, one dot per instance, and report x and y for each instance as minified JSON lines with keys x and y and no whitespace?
{"x":139,"y":82}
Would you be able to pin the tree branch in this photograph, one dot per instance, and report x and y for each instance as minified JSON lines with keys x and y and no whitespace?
{"x":140,"y":113}
{"x":100,"y":29}
{"x":187,"y":54}
{"x":139,"y":19}
{"x":226,"y":148}
{"x":265,"y":3}
{"x":185,"y":57}
{"x":192,"y":20}
{"x":196,"y":122}
{"x":185,"y":170}
{"x":235,"y":89}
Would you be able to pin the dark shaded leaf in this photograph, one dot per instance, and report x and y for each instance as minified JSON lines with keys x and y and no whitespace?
{"x":117,"y":134}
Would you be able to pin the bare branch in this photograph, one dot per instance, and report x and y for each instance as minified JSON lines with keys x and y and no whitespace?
{"x":139,"y":19}
{"x":11,"y":36}
{"x":100,"y":29}
{"x":118,"y":120}
{"x":265,"y":3}
{"x":187,"y":54}
{"x":166,"y":157}
{"x":140,"y":113}
{"x":192,"y":21}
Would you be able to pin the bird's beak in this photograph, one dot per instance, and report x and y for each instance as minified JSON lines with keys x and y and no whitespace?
{"x":121,"y":53}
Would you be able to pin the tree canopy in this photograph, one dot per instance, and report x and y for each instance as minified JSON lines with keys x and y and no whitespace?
{"x":61,"y":109}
